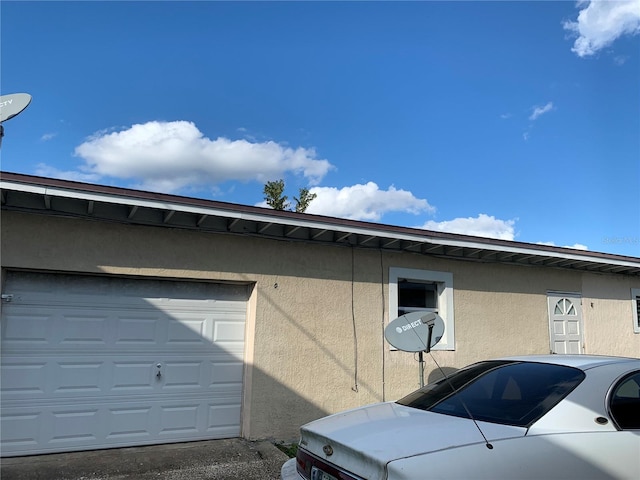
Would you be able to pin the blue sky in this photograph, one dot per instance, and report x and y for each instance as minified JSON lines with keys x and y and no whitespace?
{"x":512,"y":120}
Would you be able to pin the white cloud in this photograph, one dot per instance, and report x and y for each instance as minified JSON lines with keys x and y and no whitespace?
{"x":47,"y":136}
{"x":575,"y":246}
{"x":538,"y":111}
{"x":168,"y":156}
{"x":481,"y":226}
{"x":620,"y":60}
{"x":600,"y":23}
{"x":364,"y":202}
{"x":43,"y":170}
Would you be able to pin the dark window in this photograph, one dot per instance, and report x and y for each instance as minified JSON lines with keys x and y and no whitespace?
{"x":414,"y":295}
{"x":507,"y":392}
{"x":624,"y":403}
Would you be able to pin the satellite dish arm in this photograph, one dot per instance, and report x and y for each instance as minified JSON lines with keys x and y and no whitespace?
{"x":428,"y":350}
{"x":429,"y":337}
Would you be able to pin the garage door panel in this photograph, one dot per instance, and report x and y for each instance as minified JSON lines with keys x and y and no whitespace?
{"x":180,"y":418}
{"x":80,"y":369}
{"x":23,"y":379}
{"x":26,"y":327}
{"x":79,"y":377}
{"x":183,"y":375}
{"x":53,"y":428}
{"x":225,"y":331}
{"x":129,"y":423}
{"x":84,"y":328}
{"x":101,"y":376}
{"x":226,"y":373}
{"x":187,"y":330}
{"x":42,"y":429}
{"x":222,"y":417}
{"x":131,"y":377}
{"x":75,"y":425}
{"x":136,"y":330}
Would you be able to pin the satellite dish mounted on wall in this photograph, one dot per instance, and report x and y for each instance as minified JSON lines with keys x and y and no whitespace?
{"x":10,"y":106}
{"x":415,"y":332}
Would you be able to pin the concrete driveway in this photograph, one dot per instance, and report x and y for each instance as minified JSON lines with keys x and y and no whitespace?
{"x":232,"y":459}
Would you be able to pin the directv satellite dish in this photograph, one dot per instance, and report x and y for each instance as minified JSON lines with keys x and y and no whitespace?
{"x":415,"y":331}
{"x":12,"y":105}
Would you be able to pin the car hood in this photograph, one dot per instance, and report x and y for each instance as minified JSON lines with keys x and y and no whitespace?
{"x":364,"y":440}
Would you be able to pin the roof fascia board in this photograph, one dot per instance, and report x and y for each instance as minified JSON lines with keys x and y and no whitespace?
{"x":22,"y":187}
{"x":136,"y":202}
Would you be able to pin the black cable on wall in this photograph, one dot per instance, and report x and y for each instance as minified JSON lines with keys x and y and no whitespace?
{"x":353,"y":321}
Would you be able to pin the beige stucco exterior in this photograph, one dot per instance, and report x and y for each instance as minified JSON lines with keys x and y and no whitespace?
{"x":317,"y":313}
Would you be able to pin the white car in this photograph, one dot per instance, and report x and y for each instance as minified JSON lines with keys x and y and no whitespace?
{"x":532,"y":417}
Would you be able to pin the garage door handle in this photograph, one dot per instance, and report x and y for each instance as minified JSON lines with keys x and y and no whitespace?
{"x":159,"y":374}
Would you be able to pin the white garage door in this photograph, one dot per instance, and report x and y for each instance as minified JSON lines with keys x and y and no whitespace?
{"x":94,"y":362}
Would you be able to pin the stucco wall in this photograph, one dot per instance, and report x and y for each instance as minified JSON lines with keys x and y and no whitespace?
{"x":317,"y":314}
{"x":608,"y":315}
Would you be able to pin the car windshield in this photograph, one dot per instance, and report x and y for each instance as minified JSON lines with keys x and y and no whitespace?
{"x":507,"y":392}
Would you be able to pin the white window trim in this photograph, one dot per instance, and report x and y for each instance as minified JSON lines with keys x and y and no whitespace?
{"x":445,"y":299}
{"x":635,"y":293}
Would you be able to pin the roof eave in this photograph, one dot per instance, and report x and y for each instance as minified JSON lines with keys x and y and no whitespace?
{"x":296,"y":226}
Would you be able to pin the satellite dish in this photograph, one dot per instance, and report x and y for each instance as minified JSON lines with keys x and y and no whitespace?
{"x":415,"y":331}
{"x":12,"y":105}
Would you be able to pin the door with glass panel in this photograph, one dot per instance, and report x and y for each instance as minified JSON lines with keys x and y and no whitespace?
{"x":565,"y":323}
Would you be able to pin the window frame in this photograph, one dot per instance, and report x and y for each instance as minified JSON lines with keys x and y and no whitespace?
{"x":444,"y":282}
{"x":635,"y":304}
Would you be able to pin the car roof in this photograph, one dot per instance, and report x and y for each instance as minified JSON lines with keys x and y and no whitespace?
{"x":582,"y":362}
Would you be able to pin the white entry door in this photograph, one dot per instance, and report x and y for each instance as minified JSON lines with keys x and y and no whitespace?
{"x":95,"y":362}
{"x":565,"y":323}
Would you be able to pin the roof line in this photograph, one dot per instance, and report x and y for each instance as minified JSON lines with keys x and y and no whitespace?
{"x":125,"y":196}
